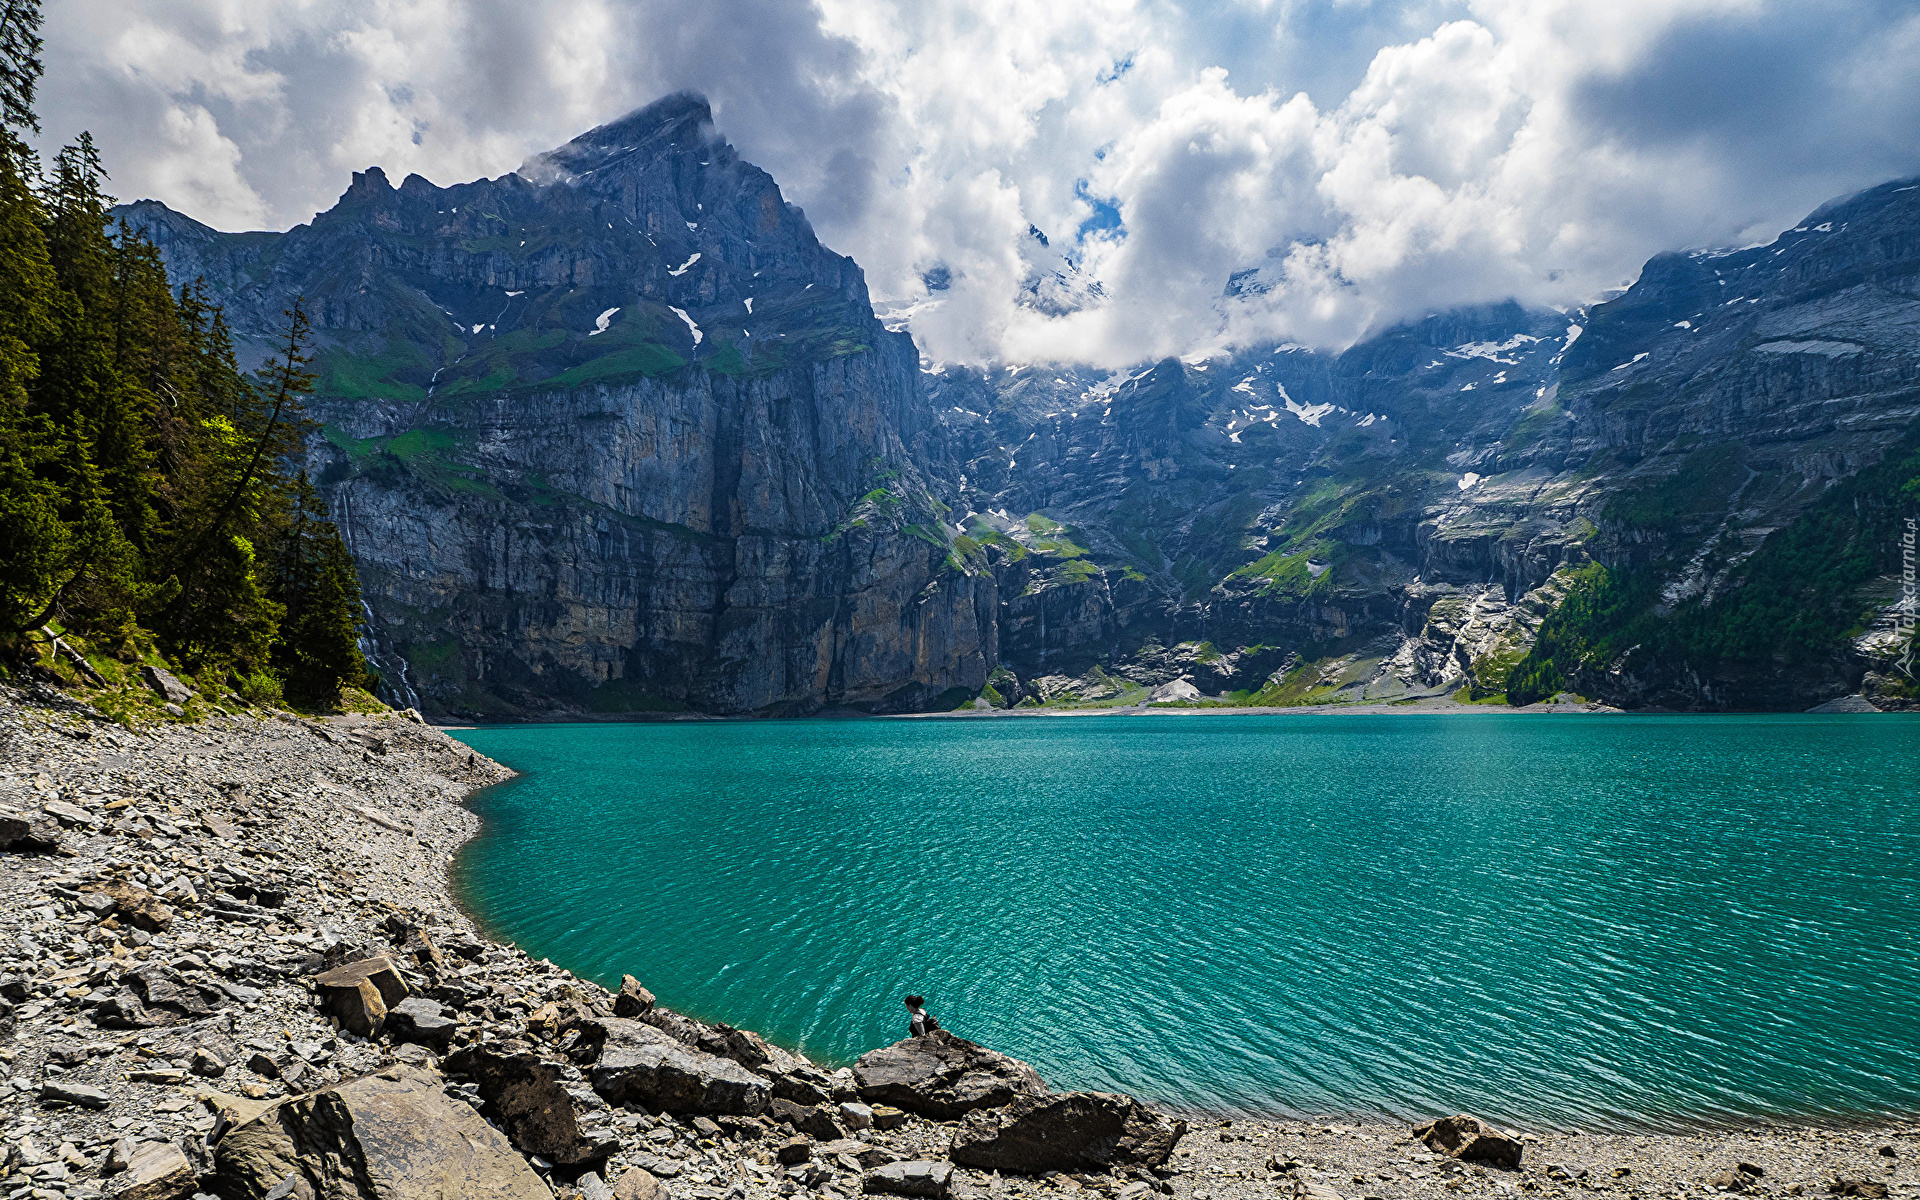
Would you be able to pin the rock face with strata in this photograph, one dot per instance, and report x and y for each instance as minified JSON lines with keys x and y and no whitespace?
{"x":1073,"y":1131}
{"x":615,"y":434}
{"x":1371,"y":525}
{"x":522,"y":1093}
{"x":943,"y":1076}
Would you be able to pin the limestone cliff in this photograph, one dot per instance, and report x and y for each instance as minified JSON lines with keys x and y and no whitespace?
{"x":615,"y":434}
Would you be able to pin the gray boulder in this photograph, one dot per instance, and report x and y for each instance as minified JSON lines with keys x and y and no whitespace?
{"x":915,"y":1177}
{"x":640,"y":1064}
{"x":164,"y":987}
{"x":1073,"y":1131}
{"x":360,"y":994}
{"x":861,"y":1154}
{"x":122,"y":1009}
{"x":943,"y":1077}
{"x":811,"y":1119}
{"x":119,"y":1156}
{"x":743,"y":1046}
{"x":633,"y":1000}
{"x":166,"y":685}
{"x":805,"y":1086}
{"x":418,"y":1019}
{"x":158,"y":1171}
{"x":70,"y":816}
{"x":79,"y":1095}
{"x":1465,"y":1137}
{"x":794,"y":1151}
{"x":636,"y":1184}
{"x":390,"y":1136}
{"x":592,"y":1187}
{"x":855,"y":1115}
{"x":28,"y":832}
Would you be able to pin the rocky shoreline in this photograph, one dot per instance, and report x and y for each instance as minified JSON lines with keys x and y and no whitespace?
{"x":231,"y":965}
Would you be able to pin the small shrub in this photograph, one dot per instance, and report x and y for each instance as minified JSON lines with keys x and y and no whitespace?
{"x":259,"y":690}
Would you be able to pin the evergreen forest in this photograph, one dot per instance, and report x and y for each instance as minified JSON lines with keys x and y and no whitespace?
{"x":153,"y":511}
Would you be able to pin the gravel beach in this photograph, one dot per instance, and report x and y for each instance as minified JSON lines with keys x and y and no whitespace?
{"x":231,"y":964}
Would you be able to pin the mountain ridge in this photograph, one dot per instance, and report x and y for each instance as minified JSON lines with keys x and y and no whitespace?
{"x":1392,"y":521}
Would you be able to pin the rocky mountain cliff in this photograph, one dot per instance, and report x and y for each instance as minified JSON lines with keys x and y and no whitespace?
{"x":614,"y":433}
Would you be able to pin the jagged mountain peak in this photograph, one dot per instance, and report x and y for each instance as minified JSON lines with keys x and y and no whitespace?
{"x":641,"y":246}
{"x":677,"y":123}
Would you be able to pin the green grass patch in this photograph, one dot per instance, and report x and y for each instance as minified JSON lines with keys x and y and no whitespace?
{"x":929,"y":535}
{"x":395,"y":373}
{"x":647,"y":359}
{"x":1535,"y":423}
{"x":502,"y":376}
{"x":1303,"y":686}
{"x":986,"y":535}
{"x":1288,"y":573}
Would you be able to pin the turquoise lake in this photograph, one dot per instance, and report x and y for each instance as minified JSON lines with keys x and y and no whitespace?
{"x":1552,"y":921}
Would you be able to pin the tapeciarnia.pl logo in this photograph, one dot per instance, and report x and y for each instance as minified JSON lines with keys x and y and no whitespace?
{"x":1904,"y":611}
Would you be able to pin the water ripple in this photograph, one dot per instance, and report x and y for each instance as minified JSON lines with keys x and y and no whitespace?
{"x":1630,"y":922}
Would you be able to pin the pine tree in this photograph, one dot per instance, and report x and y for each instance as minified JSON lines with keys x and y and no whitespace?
{"x":57,"y":538}
{"x":19,"y":63}
{"x":216,"y":607}
{"x":319,"y":649}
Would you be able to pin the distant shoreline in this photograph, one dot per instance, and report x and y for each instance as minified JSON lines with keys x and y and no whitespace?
{"x":1429,"y":705}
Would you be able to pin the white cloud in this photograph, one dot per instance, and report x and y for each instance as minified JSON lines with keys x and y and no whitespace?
{"x":1374,"y":161}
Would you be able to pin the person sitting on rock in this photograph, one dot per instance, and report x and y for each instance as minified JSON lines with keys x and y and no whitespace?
{"x":923,"y":1022}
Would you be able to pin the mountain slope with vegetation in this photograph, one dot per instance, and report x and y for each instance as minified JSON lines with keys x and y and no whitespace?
{"x":1706,"y":477}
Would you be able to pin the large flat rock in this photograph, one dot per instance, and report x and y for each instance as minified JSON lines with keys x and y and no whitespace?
{"x":646,"y":1066}
{"x":943,"y":1076}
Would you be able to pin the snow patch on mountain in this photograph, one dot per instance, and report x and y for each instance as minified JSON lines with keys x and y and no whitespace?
{"x":1310,"y":413}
